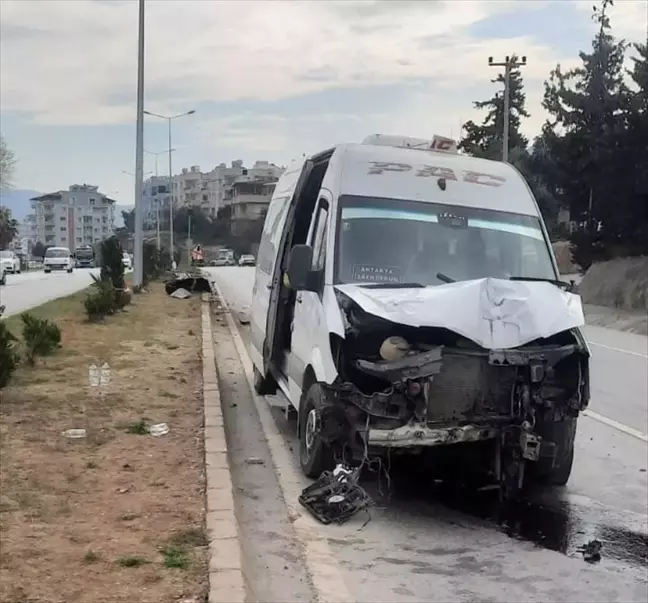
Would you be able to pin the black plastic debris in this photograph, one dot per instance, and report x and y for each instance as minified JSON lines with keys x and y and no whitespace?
{"x":335,"y":496}
{"x":190,"y":282}
{"x":591,"y":551}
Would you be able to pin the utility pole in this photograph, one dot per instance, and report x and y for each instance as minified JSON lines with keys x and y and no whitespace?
{"x":138,"y":273}
{"x":509,"y":64}
{"x":169,"y":120}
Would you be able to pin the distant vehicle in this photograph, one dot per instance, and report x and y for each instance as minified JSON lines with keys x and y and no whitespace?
{"x":126,"y":260}
{"x":225,"y":257}
{"x":10,"y":261}
{"x":247,"y":259}
{"x":58,"y":258}
{"x":85,"y":257}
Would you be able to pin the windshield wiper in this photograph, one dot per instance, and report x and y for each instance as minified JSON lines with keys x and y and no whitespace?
{"x":561,"y":284}
{"x":444,"y":278}
{"x":394,"y":286}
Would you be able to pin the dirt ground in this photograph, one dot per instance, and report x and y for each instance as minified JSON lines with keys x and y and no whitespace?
{"x":119,"y":515}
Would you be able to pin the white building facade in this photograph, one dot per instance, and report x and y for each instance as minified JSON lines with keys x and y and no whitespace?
{"x":79,"y":216}
{"x":212,"y":190}
{"x":155,"y":201}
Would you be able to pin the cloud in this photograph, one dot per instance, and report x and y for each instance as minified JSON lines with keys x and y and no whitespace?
{"x":628,"y":18}
{"x":74,"y":62}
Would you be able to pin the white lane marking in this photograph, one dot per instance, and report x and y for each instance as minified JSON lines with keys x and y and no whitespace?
{"x":635,"y":433}
{"x":609,"y":347}
{"x":324,"y":569}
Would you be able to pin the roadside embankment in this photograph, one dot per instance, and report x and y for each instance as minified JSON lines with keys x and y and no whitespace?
{"x":615,"y":294}
{"x":102,"y":486}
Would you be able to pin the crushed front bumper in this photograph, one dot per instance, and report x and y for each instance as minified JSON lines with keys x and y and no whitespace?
{"x":415,"y":435}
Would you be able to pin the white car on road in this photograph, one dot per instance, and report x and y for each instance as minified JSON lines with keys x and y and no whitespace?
{"x":247,"y":260}
{"x":10,"y":261}
{"x":58,"y":258}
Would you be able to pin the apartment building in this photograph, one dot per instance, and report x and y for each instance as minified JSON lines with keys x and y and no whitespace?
{"x":155,"y":198}
{"x":212,"y":190}
{"x":249,"y":200}
{"x":80,"y":215}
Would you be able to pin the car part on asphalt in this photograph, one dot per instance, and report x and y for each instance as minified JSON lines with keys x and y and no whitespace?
{"x":191,"y":282}
{"x":336,"y":496}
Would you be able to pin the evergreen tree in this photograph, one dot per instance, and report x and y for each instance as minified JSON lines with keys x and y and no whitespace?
{"x":485,"y":140}
{"x":588,"y":107}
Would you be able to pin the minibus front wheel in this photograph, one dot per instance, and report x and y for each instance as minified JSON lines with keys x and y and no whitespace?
{"x":315,"y":456}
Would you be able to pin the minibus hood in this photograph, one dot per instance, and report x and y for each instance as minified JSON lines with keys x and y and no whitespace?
{"x":494,"y":313}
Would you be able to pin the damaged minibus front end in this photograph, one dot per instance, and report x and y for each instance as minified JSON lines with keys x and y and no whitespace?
{"x":487,"y":360}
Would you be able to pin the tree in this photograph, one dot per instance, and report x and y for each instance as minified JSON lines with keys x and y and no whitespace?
{"x":7,"y":165}
{"x":129,"y":220}
{"x":38,"y":250}
{"x":486,"y":140}
{"x":8,"y":227}
{"x":202,"y":227}
{"x":588,"y":125}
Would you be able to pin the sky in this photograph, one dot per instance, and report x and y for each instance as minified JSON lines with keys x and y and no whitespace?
{"x":268,"y":80}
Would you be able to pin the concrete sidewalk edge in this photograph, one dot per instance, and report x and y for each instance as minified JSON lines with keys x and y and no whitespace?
{"x":226,"y":583}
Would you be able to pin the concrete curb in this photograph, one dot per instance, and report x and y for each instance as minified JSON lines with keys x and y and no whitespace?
{"x":324,"y":569}
{"x":226,"y":583}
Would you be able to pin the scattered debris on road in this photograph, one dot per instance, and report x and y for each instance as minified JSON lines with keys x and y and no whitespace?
{"x":181,"y":293}
{"x":159,"y":429}
{"x":254,"y":460}
{"x":591,"y":551}
{"x":192,"y":283}
{"x":74,"y":434}
{"x":335,"y":496}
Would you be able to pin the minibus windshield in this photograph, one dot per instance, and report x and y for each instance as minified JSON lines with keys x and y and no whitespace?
{"x":413,"y":242}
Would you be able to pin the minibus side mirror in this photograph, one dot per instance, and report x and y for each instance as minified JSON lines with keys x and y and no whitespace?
{"x":300,"y":261}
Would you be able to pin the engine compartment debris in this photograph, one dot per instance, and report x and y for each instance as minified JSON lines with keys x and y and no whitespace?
{"x":336,"y":495}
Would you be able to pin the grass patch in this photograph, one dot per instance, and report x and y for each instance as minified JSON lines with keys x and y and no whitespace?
{"x":175,"y":557}
{"x":76,"y":492}
{"x":137,"y":428}
{"x":131,"y":561}
{"x":91,"y":557}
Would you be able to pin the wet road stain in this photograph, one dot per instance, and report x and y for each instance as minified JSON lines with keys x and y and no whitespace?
{"x":555,"y":523}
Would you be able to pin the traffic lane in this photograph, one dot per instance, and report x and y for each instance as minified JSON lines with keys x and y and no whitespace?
{"x":439,"y":534}
{"x":619,"y":386}
{"x":30,"y":289}
{"x":619,"y":372}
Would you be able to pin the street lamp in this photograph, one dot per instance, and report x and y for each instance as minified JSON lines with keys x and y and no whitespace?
{"x":169,"y":119}
{"x":509,"y":64}
{"x":157,"y":201}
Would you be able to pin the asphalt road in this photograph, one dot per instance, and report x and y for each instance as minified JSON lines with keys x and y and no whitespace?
{"x":428,"y":544}
{"x":30,"y":289}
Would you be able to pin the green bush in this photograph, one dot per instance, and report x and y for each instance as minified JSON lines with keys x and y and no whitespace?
{"x":41,"y":336}
{"x":100,"y":302}
{"x":112,"y":263}
{"x":8,"y":355}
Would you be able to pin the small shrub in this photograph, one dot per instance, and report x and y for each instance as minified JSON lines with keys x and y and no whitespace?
{"x":112,"y":263}
{"x":41,"y":336}
{"x":101,"y":301}
{"x":8,"y":355}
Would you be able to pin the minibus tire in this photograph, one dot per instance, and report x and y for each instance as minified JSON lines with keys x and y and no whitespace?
{"x":563,"y":434}
{"x":319,"y":458}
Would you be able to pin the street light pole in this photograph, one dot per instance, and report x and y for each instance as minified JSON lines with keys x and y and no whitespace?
{"x":157,"y":201}
{"x":169,"y":120}
{"x":138,"y":273}
{"x":509,"y":64}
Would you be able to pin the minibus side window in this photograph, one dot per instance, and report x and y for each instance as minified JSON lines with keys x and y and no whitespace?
{"x":319,"y":237}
